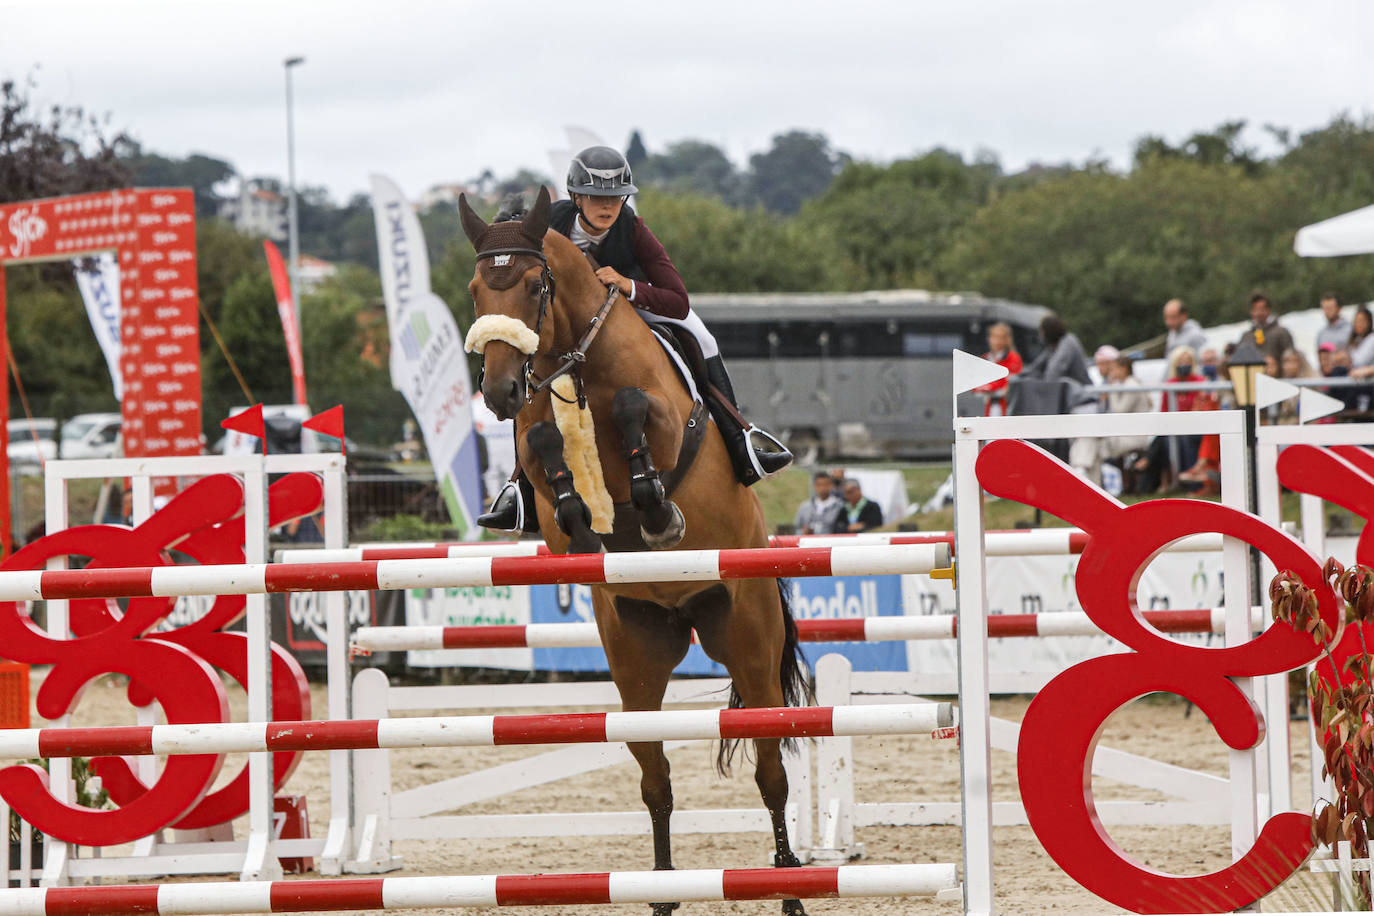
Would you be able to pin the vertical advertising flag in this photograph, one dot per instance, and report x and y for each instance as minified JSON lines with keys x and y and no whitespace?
{"x":98,"y":280}
{"x":428,"y":365}
{"x":286,"y":310}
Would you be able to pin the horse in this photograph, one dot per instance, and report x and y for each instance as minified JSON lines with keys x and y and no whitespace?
{"x":543,"y":314}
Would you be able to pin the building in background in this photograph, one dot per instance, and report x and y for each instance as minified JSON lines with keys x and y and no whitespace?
{"x":257,"y":210}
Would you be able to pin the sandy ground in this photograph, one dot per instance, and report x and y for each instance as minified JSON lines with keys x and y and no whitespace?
{"x":886,"y":769}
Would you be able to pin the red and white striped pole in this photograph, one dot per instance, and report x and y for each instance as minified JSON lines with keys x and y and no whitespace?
{"x":860,"y":629}
{"x":477,"y":731}
{"x":586,"y":569}
{"x":333,"y":895}
{"x":1019,"y":543}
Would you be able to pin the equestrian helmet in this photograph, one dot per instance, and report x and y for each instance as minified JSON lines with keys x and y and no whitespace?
{"x":599,"y":171}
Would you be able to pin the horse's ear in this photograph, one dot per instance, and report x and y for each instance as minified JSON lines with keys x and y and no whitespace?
{"x":473,"y":224}
{"x":536,"y":222}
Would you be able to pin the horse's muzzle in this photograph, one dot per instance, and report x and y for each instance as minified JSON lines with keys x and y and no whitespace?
{"x":505,"y":396}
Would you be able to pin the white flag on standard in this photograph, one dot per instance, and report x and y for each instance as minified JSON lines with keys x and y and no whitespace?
{"x":100,"y":291}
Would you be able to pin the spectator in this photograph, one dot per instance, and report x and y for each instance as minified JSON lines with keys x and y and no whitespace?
{"x":1103,"y":359}
{"x":1360,"y":346}
{"x":1062,"y":357}
{"x":859,"y":514}
{"x":1168,"y":455}
{"x":820,"y":513}
{"x":1183,"y":331}
{"x":1336,"y":331}
{"x":1002,"y":351}
{"x":1265,"y":331}
{"x":1209,"y":363}
{"x":1086,"y":455}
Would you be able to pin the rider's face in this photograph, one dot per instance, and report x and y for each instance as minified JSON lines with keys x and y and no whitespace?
{"x":599,"y":212}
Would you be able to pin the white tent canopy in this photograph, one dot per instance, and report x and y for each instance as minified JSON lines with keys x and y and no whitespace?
{"x":1349,"y":233}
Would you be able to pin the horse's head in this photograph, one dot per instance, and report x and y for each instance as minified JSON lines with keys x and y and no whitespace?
{"x":512,"y":289}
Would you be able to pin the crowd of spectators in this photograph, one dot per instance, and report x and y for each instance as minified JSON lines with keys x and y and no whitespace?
{"x":1344,"y":347}
{"x":837,"y":505}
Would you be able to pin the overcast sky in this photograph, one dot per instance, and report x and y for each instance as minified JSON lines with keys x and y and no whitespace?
{"x":431,"y":92}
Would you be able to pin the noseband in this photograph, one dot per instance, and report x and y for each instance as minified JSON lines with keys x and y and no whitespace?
{"x":574,"y":359}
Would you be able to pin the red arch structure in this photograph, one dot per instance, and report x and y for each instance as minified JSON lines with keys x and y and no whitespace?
{"x":152,"y":232}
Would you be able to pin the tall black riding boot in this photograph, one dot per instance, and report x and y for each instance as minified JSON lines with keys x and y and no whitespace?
{"x":754,"y":453}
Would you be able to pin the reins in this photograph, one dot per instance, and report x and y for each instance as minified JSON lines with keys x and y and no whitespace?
{"x":573,"y":360}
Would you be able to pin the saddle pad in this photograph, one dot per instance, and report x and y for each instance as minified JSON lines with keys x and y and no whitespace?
{"x":669,"y":345}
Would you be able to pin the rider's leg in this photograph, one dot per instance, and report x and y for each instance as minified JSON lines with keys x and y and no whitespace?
{"x":754,"y":453}
{"x":513,"y":507}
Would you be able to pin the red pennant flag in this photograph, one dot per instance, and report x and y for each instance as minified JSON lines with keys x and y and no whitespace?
{"x":330,"y":423}
{"x":250,"y":423}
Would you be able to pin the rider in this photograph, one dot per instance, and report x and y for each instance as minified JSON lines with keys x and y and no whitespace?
{"x":599,"y":221}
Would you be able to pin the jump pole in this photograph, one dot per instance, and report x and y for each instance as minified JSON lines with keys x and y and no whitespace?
{"x":860,"y":629}
{"x":484,"y":890}
{"x":576,"y":569}
{"x":477,"y":731}
{"x":1027,"y":543}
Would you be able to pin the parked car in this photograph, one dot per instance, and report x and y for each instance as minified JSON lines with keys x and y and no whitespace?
{"x":32,"y":441}
{"x":90,"y":435}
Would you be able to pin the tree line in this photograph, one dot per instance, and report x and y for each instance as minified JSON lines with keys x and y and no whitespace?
{"x":1207,"y":219}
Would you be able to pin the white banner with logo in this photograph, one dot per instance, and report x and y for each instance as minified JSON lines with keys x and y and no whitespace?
{"x":428,"y":365}
{"x":499,"y":605}
{"x":100,"y":291}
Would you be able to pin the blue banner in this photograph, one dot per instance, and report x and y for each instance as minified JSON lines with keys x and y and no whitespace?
{"x":839,"y":598}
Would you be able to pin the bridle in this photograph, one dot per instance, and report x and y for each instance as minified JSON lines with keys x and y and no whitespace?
{"x":573,"y":360}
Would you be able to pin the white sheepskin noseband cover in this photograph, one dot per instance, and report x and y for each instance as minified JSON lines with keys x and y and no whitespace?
{"x":503,"y":328}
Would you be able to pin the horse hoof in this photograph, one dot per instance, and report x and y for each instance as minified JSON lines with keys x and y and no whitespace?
{"x":793,"y":907}
{"x":585,"y":540}
{"x":663,"y":909}
{"x":672,"y":533}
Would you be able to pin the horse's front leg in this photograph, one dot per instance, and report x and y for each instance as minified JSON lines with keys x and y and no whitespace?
{"x":569,"y":511}
{"x":663,"y":525}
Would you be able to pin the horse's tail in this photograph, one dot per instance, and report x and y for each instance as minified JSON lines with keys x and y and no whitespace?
{"x":798,"y":686}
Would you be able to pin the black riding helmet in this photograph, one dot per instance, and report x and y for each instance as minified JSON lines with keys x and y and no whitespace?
{"x":599,"y":171}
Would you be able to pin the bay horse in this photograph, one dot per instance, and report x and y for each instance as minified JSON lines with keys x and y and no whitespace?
{"x":538,"y":301}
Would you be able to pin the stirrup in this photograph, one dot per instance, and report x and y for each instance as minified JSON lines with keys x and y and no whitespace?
{"x":773,"y":452}
{"x":507,"y":512}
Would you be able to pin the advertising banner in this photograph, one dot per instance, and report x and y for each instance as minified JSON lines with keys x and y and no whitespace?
{"x":428,"y":364}
{"x":286,"y":310}
{"x":152,"y":234}
{"x":98,"y":280}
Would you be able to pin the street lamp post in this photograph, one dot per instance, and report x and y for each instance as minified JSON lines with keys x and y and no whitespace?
{"x":293,"y":234}
{"x":1243,"y":366}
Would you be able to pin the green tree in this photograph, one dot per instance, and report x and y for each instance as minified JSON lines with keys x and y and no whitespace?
{"x":346,"y":351}
{"x":797,"y":167}
{"x":692,"y":167}
{"x":893,"y":223}
{"x":717,"y":248}
{"x":1107,"y":250}
{"x":199,"y":172}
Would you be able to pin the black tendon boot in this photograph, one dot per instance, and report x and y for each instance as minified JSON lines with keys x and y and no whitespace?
{"x":513,"y":507}
{"x":754,"y":453}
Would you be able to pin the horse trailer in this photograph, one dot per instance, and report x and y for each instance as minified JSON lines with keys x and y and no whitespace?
{"x":856,"y":374}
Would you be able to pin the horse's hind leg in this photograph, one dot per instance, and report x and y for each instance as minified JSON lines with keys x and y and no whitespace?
{"x":570,"y":512}
{"x":644,"y":642}
{"x":748,"y":636}
{"x":663,"y":525}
